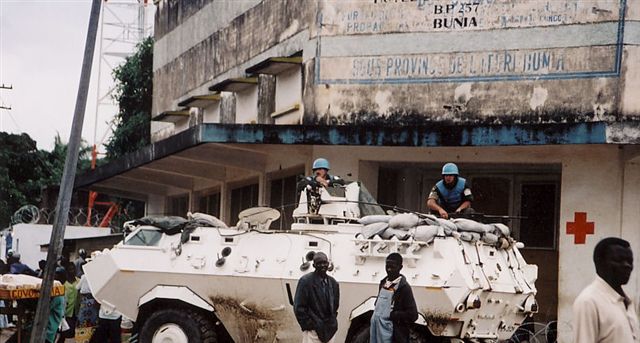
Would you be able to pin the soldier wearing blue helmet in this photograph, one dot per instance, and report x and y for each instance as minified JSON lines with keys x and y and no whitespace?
{"x":452,"y":194}
{"x":321,"y":176}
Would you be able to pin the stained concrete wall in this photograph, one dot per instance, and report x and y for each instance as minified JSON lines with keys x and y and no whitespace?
{"x":212,"y":42}
{"x":419,"y":61}
{"x":494,"y":61}
{"x":247,"y":106}
{"x":289,"y":93}
{"x":212,"y":113}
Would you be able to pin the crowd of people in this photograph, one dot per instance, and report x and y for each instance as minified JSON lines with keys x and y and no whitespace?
{"x":75,"y":315}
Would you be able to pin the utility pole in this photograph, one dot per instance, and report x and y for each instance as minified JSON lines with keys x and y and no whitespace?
{"x":2,"y":106}
{"x":66,"y":184}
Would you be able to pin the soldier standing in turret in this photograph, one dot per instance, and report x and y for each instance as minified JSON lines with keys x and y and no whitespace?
{"x":452,"y":194}
{"x":321,"y":176}
{"x":313,"y":184}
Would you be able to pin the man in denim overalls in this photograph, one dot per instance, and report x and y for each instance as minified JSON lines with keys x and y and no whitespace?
{"x":395,"y":307}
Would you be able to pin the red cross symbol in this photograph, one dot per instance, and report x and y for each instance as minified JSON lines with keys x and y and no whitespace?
{"x":580,"y":228}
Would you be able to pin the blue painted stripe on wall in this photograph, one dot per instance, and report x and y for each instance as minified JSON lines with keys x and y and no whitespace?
{"x":424,"y":136}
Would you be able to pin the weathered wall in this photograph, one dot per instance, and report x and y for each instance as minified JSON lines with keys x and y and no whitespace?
{"x":289,"y":93}
{"x":247,"y":106}
{"x":375,"y":61}
{"x":212,"y":113}
{"x":196,"y":63}
{"x":492,"y":61}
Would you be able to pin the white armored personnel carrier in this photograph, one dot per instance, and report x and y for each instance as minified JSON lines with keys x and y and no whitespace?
{"x":198,"y":280}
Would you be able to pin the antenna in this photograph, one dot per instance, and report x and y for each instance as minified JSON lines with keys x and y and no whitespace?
{"x":123,"y":24}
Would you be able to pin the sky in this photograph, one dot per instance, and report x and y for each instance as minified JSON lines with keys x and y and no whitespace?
{"x":41,"y":51}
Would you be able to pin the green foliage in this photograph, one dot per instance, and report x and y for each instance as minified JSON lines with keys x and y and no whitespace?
{"x":133,"y":92}
{"x":25,"y":171}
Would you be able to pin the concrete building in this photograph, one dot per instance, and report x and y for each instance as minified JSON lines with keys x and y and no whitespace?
{"x":537,"y":101}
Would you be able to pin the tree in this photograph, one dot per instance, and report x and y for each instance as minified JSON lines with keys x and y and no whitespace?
{"x":133,"y":92}
{"x":25,"y":171}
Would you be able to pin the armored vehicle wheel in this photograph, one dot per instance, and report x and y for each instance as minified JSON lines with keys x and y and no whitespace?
{"x":177,"y":326}
{"x":415,"y":336}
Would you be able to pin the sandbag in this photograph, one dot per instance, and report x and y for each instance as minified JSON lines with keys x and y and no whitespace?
{"x":472,"y":226}
{"x":447,"y":224}
{"x":399,"y":234}
{"x":169,"y":225}
{"x":469,"y":236}
{"x":404,"y":221}
{"x":428,"y":219}
{"x":425,"y":233}
{"x":207,"y":218}
{"x":501,"y":229}
{"x":373,"y":229}
{"x":490,"y":238}
{"x":503,"y":243}
{"x":376,"y":218}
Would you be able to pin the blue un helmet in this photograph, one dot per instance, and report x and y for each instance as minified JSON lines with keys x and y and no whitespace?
{"x":321,"y":163}
{"x":450,"y":169}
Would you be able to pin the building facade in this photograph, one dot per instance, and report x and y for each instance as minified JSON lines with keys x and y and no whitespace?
{"x":536,"y":101}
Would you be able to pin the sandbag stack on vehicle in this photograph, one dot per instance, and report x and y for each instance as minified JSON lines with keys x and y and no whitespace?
{"x":425,"y":228}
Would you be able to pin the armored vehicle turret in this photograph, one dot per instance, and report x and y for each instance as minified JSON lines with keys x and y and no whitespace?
{"x":197,"y":280}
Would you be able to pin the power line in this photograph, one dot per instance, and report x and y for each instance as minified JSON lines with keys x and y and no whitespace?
{"x":14,"y":121}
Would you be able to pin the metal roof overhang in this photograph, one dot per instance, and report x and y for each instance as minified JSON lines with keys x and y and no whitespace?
{"x":211,"y":152}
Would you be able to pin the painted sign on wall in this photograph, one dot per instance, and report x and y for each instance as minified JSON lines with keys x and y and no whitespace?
{"x":376,"y":41}
{"x":379,"y":16}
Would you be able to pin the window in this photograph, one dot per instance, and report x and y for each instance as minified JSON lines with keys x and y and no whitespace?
{"x":210,"y":204}
{"x":538,"y":209}
{"x":178,"y":205}
{"x":241,"y":199}
{"x":145,"y":238}
{"x":283,"y":198}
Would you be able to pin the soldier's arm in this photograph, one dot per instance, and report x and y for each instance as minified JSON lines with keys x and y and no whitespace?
{"x":432,"y":203}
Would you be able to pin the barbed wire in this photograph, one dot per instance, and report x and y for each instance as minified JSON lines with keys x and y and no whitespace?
{"x":77,"y":216}
{"x":540,"y":332}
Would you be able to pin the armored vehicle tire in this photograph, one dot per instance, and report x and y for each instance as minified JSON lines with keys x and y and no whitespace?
{"x":177,"y":326}
{"x":362,"y":336}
